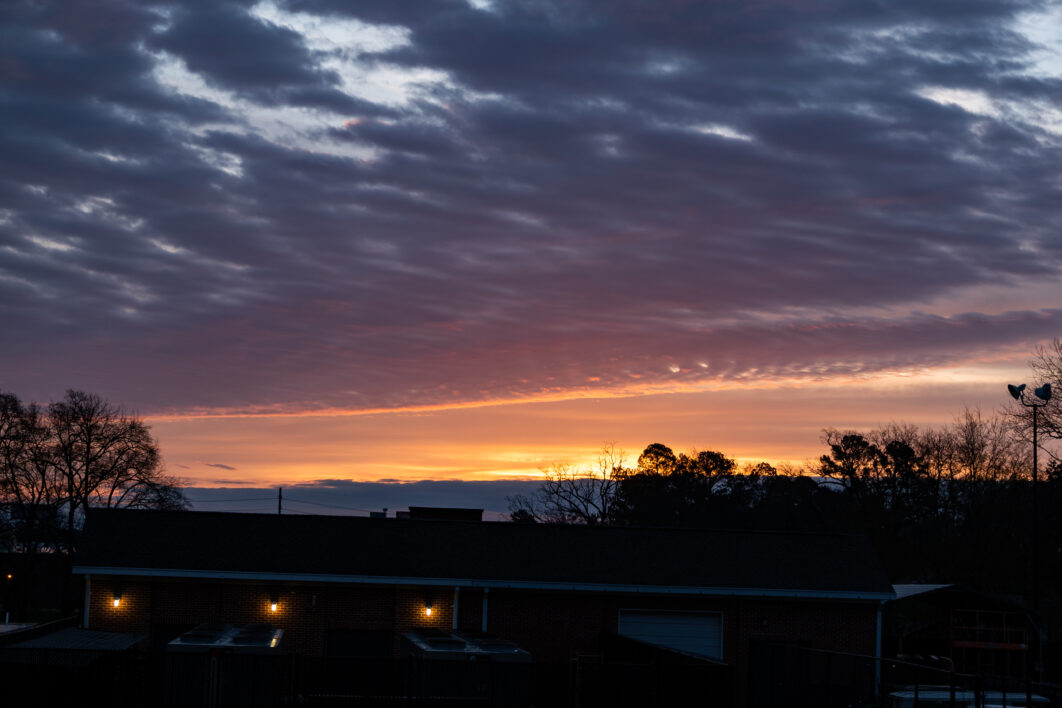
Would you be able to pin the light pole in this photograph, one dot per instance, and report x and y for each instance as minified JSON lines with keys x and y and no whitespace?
{"x":1043,"y":395}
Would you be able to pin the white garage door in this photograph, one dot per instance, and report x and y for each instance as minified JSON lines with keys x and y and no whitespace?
{"x":698,"y":633}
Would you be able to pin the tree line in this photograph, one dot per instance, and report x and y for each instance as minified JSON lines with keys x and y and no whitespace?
{"x":946,"y":504}
{"x":58,"y":460}
{"x":949,"y":504}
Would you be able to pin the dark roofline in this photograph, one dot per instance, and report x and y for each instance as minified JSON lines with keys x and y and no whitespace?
{"x":573,"y":528}
{"x":478,"y":583}
{"x":362,"y":550}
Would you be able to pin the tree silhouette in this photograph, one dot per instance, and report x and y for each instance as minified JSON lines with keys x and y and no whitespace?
{"x":79,"y":452}
{"x":573,"y":496}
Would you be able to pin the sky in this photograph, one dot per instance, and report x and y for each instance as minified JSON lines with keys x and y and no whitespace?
{"x":313,"y":240}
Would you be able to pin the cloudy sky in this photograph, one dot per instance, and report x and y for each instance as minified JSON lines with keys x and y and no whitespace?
{"x":463,"y":238}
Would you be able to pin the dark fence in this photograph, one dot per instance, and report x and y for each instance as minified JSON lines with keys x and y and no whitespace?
{"x":791,"y":676}
{"x":609,"y":685}
{"x":421,"y":682}
{"x":800,"y":677}
{"x":590,"y":682}
{"x":39,"y":678}
{"x":620,"y":677}
{"x":42,"y":678}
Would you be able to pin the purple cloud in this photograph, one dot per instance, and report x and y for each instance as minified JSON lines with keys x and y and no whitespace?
{"x":224,"y":205}
{"x":220,"y":466}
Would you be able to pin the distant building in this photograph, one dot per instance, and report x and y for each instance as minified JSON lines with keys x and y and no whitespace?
{"x":348,"y":586}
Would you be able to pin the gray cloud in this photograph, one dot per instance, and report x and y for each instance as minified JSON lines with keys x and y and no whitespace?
{"x":344,"y":496}
{"x":583,"y":195}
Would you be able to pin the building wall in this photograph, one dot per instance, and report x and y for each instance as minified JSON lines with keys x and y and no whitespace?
{"x":835,"y":626}
{"x":304,"y":611}
{"x":553,"y":626}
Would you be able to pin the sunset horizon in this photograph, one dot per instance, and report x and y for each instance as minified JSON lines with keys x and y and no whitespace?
{"x":780,"y":425}
{"x":473,"y":240}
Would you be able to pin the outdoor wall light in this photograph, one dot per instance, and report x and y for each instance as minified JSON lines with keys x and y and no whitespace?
{"x":273,"y":601}
{"x":427,"y":608}
{"x":117,"y":599}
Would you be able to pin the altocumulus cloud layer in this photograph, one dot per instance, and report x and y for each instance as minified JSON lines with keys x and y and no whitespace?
{"x":314,"y":204}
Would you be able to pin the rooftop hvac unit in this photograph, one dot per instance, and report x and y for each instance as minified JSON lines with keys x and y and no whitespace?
{"x":249,"y":639}
{"x":221,"y":665}
{"x":468,"y":666}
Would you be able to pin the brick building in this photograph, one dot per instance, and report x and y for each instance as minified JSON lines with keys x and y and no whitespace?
{"x":347,"y":586}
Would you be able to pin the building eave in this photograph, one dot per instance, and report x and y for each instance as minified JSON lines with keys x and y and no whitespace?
{"x":254,"y":576}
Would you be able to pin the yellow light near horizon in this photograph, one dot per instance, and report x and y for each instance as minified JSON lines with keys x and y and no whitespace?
{"x":516,"y":441}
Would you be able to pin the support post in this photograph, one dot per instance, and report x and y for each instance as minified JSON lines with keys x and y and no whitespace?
{"x":483,"y":624}
{"x":457,"y":600}
{"x":88,"y":602}
{"x":877,"y":652}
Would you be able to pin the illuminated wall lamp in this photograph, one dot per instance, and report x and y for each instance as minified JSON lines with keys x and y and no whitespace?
{"x":117,"y":599}
{"x":427,"y":608}
{"x":273,"y":603}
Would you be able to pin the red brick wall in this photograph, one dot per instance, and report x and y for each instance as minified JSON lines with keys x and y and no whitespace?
{"x":532,"y":620}
{"x":134,"y":611}
{"x":553,"y":626}
{"x":836,"y":626}
{"x":304,"y":611}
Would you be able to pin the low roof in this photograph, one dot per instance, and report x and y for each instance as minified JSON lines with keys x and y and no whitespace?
{"x":479,"y":554}
{"x":83,"y":640}
{"x":912,"y":589}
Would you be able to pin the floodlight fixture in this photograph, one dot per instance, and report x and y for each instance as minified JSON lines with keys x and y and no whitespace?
{"x":1042,"y":396}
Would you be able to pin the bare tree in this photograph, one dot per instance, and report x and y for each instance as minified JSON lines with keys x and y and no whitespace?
{"x":1046,"y":367}
{"x":80,"y":452}
{"x":570,"y":495}
{"x":27,"y":482}
{"x":985,"y":449}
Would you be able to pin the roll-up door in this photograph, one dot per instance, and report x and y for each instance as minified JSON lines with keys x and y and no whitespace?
{"x":699,"y":633}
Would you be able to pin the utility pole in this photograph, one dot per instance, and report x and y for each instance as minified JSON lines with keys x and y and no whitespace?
{"x":1043,"y":395}
{"x":280,"y":498}
{"x":1035,"y":523}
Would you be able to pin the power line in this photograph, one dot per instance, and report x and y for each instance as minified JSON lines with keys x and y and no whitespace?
{"x":332,"y":506}
{"x":227,"y":501}
{"x":287,"y":509}
{"x":254,"y":507}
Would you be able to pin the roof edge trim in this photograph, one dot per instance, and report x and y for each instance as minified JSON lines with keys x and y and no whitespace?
{"x":479,"y":583}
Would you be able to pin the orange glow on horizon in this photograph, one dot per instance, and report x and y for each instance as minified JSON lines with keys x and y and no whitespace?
{"x":506,"y":440}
